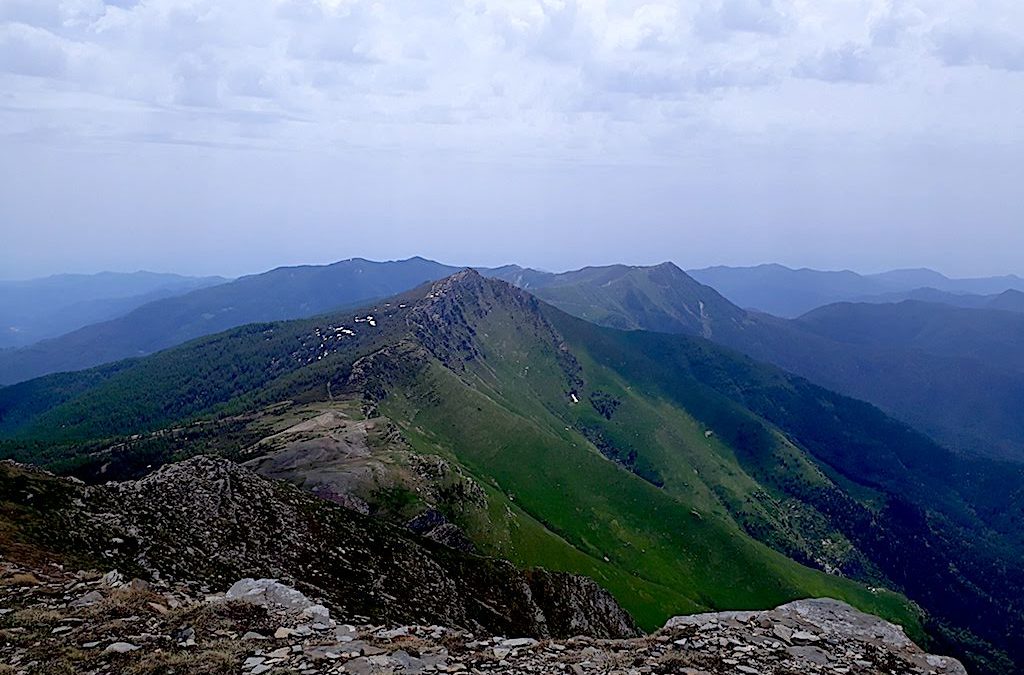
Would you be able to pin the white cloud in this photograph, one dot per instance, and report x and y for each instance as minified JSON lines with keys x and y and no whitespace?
{"x":41,"y":13}
{"x":544,"y":78}
{"x":26,"y":50}
{"x":198,"y":81}
{"x":717,"y":18}
{"x":894,"y":22}
{"x":993,"y":47}
{"x":149,"y":133}
{"x":846,"y":63}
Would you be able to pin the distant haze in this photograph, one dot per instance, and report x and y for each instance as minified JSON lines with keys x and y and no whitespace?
{"x":229,"y":137}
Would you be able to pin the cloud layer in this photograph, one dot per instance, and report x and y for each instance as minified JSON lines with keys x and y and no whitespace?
{"x":521,"y":83}
{"x":550,"y":76}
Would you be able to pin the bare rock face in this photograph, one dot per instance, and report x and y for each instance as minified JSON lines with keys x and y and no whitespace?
{"x":308,"y":586}
{"x":576,"y":605}
{"x":314,"y":588}
{"x":209,"y":521}
{"x":434,"y":526}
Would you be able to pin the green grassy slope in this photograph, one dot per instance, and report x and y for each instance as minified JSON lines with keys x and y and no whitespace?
{"x":953,"y":373}
{"x":246,"y":365}
{"x":887,"y":491}
{"x":659,"y":298}
{"x":510,"y":407}
{"x":636,"y":538}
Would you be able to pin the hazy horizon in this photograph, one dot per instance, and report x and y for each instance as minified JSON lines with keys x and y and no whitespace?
{"x":229,"y":137}
{"x":450,"y":263}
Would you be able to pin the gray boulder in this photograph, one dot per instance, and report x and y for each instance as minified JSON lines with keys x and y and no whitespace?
{"x":273,"y":594}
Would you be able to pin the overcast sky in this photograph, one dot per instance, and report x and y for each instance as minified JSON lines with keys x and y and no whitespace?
{"x":230,"y":136}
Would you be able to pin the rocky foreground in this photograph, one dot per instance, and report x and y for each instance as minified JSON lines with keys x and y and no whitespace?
{"x":55,"y":621}
{"x":210,"y":521}
{"x":196,"y":541}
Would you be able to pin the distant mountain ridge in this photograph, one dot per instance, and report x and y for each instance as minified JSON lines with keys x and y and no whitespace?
{"x":788,"y":293}
{"x":660,"y":298}
{"x":951,"y":372}
{"x":37,"y":309}
{"x":989,"y":336}
{"x":282,"y":293}
{"x":143,"y":324}
{"x":1010,"y":300}
{"x":918,"y":278}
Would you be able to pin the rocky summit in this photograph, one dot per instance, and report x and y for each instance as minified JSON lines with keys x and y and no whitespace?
{"x":57,"y":621}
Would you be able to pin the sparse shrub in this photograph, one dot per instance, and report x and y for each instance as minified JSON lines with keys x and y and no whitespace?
{"x":21,"y":579}
{"x":125,"y":602}
{"x":395,"y":499}
{"x":604,"y":403}
{"x":219,"y":661}
{"x":36,"y":617}
{"x":208,"y":617}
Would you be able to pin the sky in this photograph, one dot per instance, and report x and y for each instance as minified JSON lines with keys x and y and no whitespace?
{"x":232,"y":136}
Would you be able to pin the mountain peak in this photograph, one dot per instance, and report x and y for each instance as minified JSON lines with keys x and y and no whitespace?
{"x":466,"y":281}
{"x":669,"y":266}
{"x":465,"y":274}
{"x":445,"y":320}
{"x":661,"y":297}
{"x":1010,"y":299}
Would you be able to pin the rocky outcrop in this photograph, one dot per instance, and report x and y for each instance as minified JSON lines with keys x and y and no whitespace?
{"x":211,"y":522}
{"x":576,"y":605}
{"x":365,"y":464}
{"x":807,"y":636}
{"x":434,"y":526}
{"x":453,"y":321}
{"x":56,"y":621}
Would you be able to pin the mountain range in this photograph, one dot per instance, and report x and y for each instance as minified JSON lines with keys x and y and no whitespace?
{"x":951,"y":372}
{"x":785,"y":292}
{"x":678,"y":474}
{"x":70,"y":322}
{"x":37,"y":309}
{"x":992,"y":337}
{"x":282,"y":293}
{"x":1010,"y":300}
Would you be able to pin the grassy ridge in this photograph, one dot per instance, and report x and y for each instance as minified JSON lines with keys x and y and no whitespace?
{"x":628,"y":530}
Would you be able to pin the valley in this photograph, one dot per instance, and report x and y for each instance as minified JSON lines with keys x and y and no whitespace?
{"x":951,"y":372}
